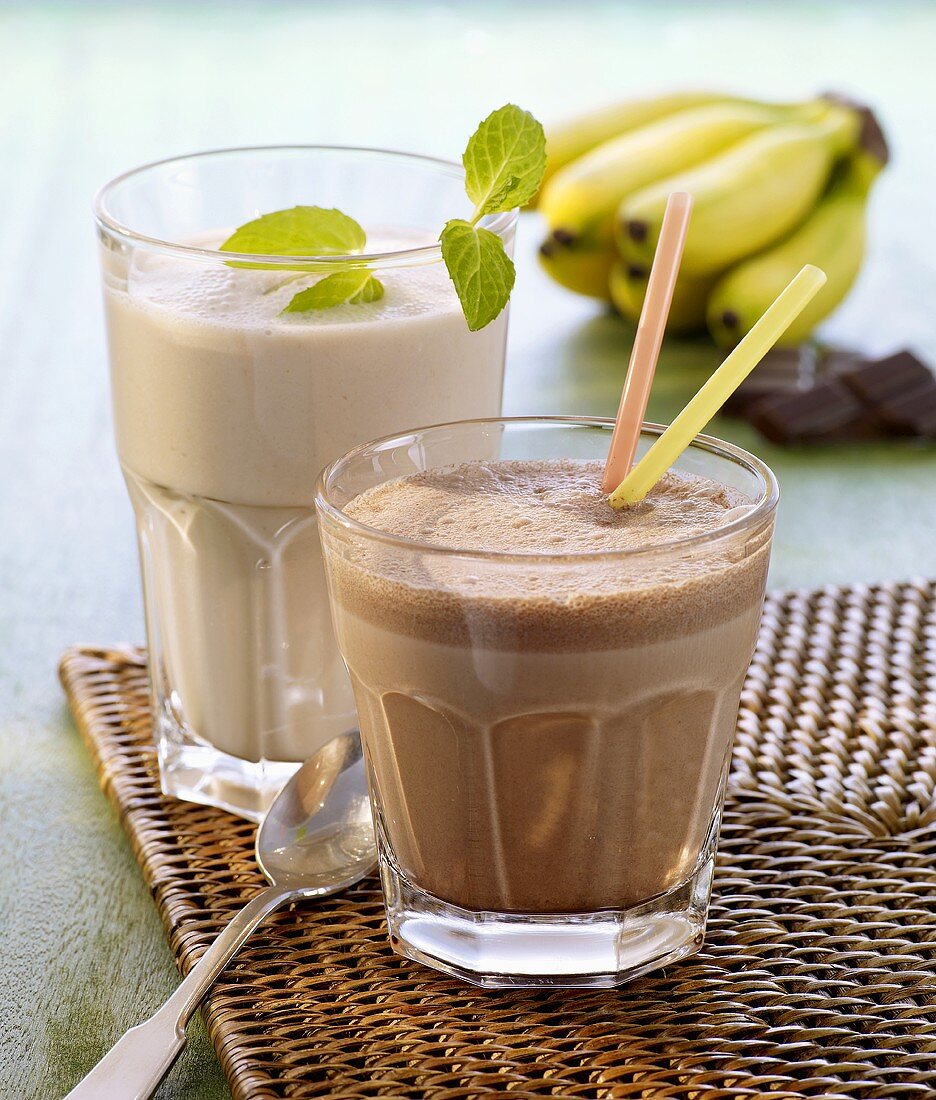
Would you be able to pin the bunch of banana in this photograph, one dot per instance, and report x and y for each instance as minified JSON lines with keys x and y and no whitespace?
{"x":765,"y":178}
{"x":581,"y":201}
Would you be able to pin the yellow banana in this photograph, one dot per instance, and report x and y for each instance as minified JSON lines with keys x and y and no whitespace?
{"x":746,"y":197}
{"x":832,"y":237}
{"x":583,"y":270}
{"x":580,"y":201}
{"x":570,"y":139}
{"x":687,"y":313}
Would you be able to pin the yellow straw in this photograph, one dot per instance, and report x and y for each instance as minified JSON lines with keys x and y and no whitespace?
{"x":765,"y":333}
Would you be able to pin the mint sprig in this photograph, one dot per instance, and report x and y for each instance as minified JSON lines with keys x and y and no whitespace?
{"x":504,"y":164}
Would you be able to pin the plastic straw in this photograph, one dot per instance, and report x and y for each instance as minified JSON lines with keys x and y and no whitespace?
{"x":649,"y":339}
{"x":716,"y":391}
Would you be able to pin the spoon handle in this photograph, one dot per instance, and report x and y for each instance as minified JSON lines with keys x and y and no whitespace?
{"x":138,"y":1061}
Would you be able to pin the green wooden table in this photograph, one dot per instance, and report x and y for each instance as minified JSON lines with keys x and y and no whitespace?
{"x":88,"y":90}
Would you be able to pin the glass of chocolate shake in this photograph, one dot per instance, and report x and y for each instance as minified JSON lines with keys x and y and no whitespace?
{"x":547,"y":688}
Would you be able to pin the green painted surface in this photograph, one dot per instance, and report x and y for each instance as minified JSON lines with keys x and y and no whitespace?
{"x":89,"y":90}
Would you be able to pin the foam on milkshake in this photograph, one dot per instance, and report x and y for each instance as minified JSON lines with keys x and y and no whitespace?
{"x":546,"y":507}
{"x":255,"y":298}
{"x":552,"y":508}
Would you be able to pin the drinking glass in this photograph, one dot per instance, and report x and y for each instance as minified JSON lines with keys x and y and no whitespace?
{"x":225,"y":410}
{"x":547,"y":735}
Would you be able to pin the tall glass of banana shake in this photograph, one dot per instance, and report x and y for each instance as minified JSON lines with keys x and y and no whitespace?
{"x":226,"y":408}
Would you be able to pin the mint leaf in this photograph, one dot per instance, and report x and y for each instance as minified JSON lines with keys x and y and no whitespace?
{"x":352,"y":286}
{"x":300,"y":231}
{"x":504,"y":161}
{"x":480,"y":268}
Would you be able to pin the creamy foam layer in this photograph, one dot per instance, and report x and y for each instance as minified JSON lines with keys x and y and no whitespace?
{"x":254,"y":299}
{"x":545,"y":507}
{"x":554,"y":508}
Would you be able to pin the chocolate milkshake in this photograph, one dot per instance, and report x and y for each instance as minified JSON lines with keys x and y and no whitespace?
{"x":548,"y":697}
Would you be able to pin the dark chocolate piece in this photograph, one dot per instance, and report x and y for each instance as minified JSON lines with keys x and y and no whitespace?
{"x":881,"y":379}
{"x":910,"y":413}
{"x":781,"y":371}
{"x":900,"y":389}
{"x":840,"y":396}
{"x":837,"y":361}
{"x":828,"y":412}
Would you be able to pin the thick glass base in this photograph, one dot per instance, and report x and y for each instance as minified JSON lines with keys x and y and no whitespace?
{"x":570,"y":950}
{"x":191,"y":769}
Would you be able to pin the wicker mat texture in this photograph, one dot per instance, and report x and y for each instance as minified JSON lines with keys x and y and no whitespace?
{"x":817,"y":978}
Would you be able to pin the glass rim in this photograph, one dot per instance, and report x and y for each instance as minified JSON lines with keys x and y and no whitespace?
{"x":763,"y":507}
{"x":110,"y":224}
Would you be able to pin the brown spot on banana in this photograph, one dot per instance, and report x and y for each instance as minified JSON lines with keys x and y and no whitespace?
{"x":636,"y":229}
{"x":558,"y":239}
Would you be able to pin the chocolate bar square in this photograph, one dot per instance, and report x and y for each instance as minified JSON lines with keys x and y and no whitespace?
{"x":782,"y":370}
{"x":827,"y":412}
{"x":900,"y":389}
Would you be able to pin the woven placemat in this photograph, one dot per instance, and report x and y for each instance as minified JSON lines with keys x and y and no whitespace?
{"x":817,"y":978}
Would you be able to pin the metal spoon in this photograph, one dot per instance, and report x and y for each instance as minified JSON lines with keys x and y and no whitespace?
{"x":316,"y":839}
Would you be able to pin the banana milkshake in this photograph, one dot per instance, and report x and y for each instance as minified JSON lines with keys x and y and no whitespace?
{"x":547,"y":691}
{"x":226,"y":408}
{"x":225,"y":412}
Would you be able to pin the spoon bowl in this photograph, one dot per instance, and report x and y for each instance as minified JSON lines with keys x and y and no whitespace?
{"x":318,"y":836}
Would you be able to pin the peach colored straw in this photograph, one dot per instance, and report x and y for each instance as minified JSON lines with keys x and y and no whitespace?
{"x":649,"y":339}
